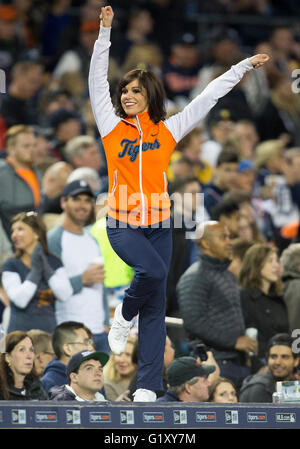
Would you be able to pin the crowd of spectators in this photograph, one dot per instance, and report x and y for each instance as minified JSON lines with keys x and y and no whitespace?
{"x":234,"y":183}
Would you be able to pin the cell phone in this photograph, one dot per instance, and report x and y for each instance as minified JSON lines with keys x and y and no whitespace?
{"x":200,"y":351}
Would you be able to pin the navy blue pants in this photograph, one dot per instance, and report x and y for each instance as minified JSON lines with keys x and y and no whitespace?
{"x":148,"y":251}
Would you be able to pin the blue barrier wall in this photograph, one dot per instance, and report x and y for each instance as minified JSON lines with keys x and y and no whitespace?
{"x":62,"y":415}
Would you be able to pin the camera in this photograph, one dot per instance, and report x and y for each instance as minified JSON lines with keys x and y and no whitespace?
{"x":198,"y":349}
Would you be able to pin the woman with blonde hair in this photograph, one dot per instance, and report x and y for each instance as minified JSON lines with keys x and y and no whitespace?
{"x":120,"y":370}
{"x":261,"y":295}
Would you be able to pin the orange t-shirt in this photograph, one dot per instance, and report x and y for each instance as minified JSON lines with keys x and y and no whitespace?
{"x":31,"y":179}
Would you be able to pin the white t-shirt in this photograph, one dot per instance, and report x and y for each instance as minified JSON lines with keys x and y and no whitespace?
{"x":77,"y":253}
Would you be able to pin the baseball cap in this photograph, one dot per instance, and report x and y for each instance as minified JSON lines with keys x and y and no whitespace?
{"x":83,"y":356}
{"x":245,"y":164}
{"x":76,"y":187}
{"x":183,"y":369}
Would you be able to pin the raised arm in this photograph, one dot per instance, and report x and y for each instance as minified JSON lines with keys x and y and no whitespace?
{"x":183,"y":122}
{"x":101,"y":103}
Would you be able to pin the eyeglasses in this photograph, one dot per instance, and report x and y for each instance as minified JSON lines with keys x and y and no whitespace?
{"x":87,"y":342}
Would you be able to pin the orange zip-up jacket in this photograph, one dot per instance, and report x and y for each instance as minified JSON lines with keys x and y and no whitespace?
{"x":138,"y":155}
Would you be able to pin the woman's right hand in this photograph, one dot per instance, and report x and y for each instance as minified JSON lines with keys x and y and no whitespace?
{"x":106,"y":16}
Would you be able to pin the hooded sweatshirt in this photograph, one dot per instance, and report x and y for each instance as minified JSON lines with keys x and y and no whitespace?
{"x":54,"y":374}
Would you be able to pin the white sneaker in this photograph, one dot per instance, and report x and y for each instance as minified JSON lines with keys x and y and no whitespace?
{"x":143,"y":395}
{"x":119,"y":332}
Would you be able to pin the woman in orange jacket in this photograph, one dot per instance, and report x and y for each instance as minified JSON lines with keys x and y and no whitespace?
{"x":138,"y":142}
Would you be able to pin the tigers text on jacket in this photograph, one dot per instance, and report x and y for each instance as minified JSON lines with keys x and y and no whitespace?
{"x":138,"y":154}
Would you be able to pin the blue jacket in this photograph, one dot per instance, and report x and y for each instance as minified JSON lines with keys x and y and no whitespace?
{"x":54,"y":374}
{"x":169,"y":397}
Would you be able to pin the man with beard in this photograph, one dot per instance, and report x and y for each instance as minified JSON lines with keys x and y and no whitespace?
{"x":282,"y":362}
{"x":79,"y":251}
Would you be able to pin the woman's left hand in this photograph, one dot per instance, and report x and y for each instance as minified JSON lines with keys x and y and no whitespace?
{"x":259,"y":60}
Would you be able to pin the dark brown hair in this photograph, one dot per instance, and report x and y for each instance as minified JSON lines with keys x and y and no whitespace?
{"x":255,"y":259}
{"x":37,"y":225}
{"x":6,"y":374}
{"x":213,"y":387}
{"x":154,"y":89}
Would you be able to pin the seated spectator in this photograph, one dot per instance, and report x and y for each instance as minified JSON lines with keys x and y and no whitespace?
{"x":17,"y":381}
{"x":83,"y":151}
{"x":181,"y":69}
{"x":120,"y":370}
{"x":189,"y":148}
{"x":68,"y":338}
{"x":227,"y":213}
{"x":277,"y":199}
{"x":53,"y":183}
{"x":187,"y":381}
{"x":147,"y":55}
{"x":11,"y":44}
{"x":220,"y":126}
{"x":179,"y":168}
{"x":239,"y":249}
{"x":287,"y":104}
{"x":281,"y":363}
{"x":138,"y":29}
{"x":19,"y":181}
{"x":34,"y":278}
{"x":290,"y":276}
{"x":245,"y":179}
{"x":209,"y":302}
{"x":223,"y":180}
{"x":65,"y":126}
{"x":246,"y":138}
{"x":85,"y":378}
{"x":77,"y":59}
{"x":285,"y":49}
{"x":43,"y":350}
{"x":223,"y":391}
{"x":261,"y":295}
{"x":89,"y":175}
{"x":17,"y":105}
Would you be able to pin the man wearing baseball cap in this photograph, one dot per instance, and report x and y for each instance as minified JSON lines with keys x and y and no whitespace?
{"x":85,"y":374}
{"x":187,"y":381}
{"x":80,"y":253}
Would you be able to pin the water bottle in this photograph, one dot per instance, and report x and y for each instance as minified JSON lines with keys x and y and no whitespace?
{"x":252,"y":333}
{"x":2,"y":339}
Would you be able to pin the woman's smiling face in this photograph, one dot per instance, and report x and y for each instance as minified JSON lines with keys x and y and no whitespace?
{"x":134,"y":99}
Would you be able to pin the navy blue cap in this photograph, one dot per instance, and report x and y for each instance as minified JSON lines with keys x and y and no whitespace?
{"x":76,"y":188}
{"x":83,"y":356}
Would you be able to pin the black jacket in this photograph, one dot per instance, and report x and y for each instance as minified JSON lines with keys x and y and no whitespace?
{"x":267,"y":313}
{"x":33,"y":390}
{"x":209,"y":302}
{"x":61,"y":393}
{"x":258,"y":388}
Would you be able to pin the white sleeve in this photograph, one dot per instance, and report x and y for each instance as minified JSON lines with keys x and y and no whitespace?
{"x":101,"y":103}
{"x":182,"y":123}
{"x":19,"y":293}
{"x":60,"y":284}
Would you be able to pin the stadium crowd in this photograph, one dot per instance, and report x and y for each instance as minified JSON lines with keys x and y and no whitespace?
{"x":234,"y":182}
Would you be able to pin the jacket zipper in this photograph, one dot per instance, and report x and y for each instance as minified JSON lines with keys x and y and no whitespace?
{"x":165,"y":184}
{"x":140,"y":170}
